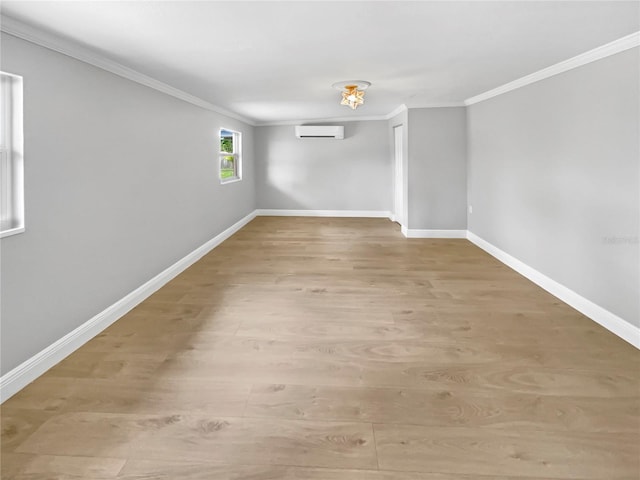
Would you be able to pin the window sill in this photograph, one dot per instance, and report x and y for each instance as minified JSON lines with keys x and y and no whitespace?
{"x":232,"y":180}
{"x":11,"y":231}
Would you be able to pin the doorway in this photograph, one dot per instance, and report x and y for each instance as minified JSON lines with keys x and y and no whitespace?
{"x":398,"y":202}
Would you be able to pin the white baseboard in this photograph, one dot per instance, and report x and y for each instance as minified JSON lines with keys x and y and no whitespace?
{"x":25,"y":373}
{"x":608,"y":320}
{"x":421,"y":233}
{"x":269,"y":212}
{"x":16,"y":379}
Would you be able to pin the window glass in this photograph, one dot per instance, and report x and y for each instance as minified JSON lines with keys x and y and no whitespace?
{"x":229,"y":155}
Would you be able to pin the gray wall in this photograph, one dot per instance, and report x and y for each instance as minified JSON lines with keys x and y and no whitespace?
{"x":324,"y":174}
{"x":437,"y":168}
{"x":121,"y":182}
{"x":554,"y":179}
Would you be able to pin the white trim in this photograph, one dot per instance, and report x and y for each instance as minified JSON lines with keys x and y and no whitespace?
{"x":398,"y":110}
{"x":16,"y":379}
{"x":607,"y":319}
{"x":236,"y":154}
{"x":421,"y":233}
{"x":11,"y":231}
{"x":365,"y":118}
{"x":12,"y":156}
{"x":617,"y":46}
{"x":351,"y":118}
{"x":53,"y":42}
{"x":72,"y":49}
{"x":315,"y":121}
{"x":231,"y":180}
{"x":267,"y":212}
{"x":436,"y":105}
{"x":19,"y":29}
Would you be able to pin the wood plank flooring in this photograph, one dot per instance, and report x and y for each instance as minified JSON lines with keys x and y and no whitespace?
{"x":335,"y":349}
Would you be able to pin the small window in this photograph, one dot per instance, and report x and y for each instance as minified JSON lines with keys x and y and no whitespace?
{"x":11,"y":156}
{"x":230,"y":158}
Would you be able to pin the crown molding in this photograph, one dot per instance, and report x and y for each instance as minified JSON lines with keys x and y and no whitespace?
{"x":404,"y":108}
{"x":438,"y":105}
{"x":25,"y":373}
{"x":72,"y":49}
{"x":617,"y":46}
{"x":314,"y":121}
{"x":398,"y":110}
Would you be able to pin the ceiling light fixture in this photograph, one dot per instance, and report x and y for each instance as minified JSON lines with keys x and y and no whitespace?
{"x":352,"y":92}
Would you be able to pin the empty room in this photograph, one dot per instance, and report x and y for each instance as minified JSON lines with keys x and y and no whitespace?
{"x":323,"y":240}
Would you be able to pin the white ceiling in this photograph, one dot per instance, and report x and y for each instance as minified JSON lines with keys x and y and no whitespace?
{"x":274,"y":61}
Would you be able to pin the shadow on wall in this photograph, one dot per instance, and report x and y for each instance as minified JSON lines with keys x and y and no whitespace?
{"x":323,"y":173}
{"x":140,"y":360}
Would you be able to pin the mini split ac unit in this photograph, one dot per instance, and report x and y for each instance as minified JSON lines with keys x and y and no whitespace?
{"x":320,"y":131}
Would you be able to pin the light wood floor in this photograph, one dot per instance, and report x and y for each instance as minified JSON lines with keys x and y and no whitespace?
{"x":336,"y":349}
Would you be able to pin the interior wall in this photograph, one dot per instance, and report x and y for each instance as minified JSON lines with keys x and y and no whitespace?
{"x":554,"y":179}
{"x":121,"y":181}
{"x":325,"y":174}
{"x":437,"y":182}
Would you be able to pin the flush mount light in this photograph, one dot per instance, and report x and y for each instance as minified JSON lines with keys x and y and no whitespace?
{"x":352,"y":92}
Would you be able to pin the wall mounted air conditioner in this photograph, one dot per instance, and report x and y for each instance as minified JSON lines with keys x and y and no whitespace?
{"x":320,"y":131}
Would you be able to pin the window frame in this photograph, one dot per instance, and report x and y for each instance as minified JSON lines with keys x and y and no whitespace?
{"x":11,"y":155}
{"x":236,"y":154}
